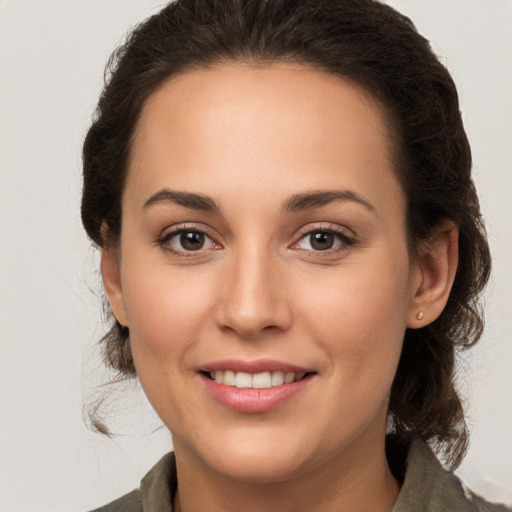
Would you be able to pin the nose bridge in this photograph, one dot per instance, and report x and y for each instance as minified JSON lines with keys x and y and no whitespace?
{"x":254,"y":297}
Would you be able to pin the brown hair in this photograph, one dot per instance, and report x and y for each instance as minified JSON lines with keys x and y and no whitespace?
{"x":374,"y":46}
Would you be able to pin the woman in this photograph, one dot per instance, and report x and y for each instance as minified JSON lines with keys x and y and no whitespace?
{"x":293,"y":251}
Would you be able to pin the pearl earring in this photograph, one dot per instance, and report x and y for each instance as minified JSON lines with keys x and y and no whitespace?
{"x":420,"y":315}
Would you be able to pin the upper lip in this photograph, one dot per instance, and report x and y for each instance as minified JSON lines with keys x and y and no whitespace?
{"x":255,"y":366}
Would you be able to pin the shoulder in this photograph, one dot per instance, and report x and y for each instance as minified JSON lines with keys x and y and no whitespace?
{"x":155,"y":493}
{"x":428,"y":487}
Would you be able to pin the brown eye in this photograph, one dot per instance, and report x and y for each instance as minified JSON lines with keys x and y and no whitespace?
{"x":324,"y":240}
{"x":192,"y":240}
{"x":321,"y":240}
{"x":187,"y":240}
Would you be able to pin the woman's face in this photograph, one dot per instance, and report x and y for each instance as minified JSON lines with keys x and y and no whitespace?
{"x":263,"y":239}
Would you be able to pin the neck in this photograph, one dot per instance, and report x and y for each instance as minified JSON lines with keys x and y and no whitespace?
{"x":357,"y":482}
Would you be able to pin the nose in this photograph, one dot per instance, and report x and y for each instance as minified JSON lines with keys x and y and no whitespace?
{"x":254,"y":298}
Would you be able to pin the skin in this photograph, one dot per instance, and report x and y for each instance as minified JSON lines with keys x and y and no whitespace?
{"x":250,"y":139}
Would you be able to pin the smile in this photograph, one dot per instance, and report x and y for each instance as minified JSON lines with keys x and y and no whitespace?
{"x":255,"y":386}
{"x":256,"y":381}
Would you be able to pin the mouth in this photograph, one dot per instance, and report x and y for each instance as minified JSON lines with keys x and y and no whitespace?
{"x":255,"y":386}
{"x":262,"y":380}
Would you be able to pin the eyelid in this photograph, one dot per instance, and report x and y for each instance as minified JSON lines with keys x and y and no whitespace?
{"x":348,"y":236}
{"x":186,"y":226}
{"x":325,"y":226}
{"x":172,"y":231}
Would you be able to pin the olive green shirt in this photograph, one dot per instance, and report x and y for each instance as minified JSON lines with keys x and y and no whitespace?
{"x":427,"y":487}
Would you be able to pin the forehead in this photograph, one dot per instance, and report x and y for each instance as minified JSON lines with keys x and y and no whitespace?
{"x":243,"y":125}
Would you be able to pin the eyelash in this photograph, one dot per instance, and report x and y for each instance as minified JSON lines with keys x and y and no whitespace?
{"x":163,"y":241}
{"x":345,"y":240}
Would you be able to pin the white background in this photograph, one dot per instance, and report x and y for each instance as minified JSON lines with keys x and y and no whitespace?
{"x":52,"y":54}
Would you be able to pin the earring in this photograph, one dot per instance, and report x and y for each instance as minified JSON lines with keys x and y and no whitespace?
{"x":420,"y":315}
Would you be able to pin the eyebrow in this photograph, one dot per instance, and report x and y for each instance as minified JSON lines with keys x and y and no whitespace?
{"x":318,"y":198}
{"x":186,"y":199}
{"x":303,"y":201}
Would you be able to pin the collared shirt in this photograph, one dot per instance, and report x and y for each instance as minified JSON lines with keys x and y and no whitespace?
{"x":427,"y":487}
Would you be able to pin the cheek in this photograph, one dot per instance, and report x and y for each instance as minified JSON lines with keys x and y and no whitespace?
{"x":359,"y":318}
{"x":166,"y":310}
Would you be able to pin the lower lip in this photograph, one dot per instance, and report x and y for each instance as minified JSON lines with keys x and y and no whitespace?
{"x":252,"y":400}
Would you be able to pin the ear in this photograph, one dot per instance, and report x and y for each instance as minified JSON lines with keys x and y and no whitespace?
{"x":111,"y":274}
{"x":434,"y":274}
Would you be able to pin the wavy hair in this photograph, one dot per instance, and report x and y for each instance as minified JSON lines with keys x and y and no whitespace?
{"x":379,"y":49}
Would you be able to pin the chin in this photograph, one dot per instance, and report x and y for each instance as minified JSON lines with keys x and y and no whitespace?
{"x":271,"y":467}
{"x":258,"y":456}
{"x":258,"y":468}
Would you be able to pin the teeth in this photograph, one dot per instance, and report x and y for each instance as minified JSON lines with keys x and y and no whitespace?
{"x":229,"y":378}
{"x":243,"y":380}
{"x":256,"y":381}
{"x":262,"y":380}
{"x":289,"y":377}
{"x":277,"y":378}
